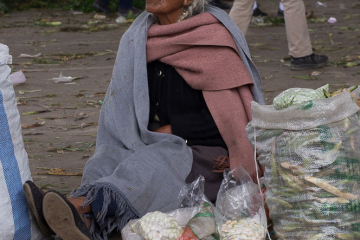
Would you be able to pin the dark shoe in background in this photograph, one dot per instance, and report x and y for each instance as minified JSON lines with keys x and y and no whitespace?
{"x":63,"y":218}
{"x":280,"y":13}
{"x":220,"y":4}
{"x":258,"y":13}
{"x":34,"y":196}
{"x":102,"y":7}
{"x":125,"y":12}
{"x":308,"y":62}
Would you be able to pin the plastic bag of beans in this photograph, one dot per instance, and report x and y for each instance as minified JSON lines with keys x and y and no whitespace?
{"x":239,"y":212}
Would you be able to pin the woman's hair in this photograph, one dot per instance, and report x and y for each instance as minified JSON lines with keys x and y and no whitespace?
{"x":194,"y":8}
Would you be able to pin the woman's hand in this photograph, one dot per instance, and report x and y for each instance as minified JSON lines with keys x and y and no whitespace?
{"x":164,"y":129}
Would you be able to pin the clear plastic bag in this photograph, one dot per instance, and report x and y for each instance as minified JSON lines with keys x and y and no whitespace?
{"x":158,"y":225}
{"x":294,"y":96}
{"x":202,"y":222}
{"x":194,"y":219}
{"x":239,"y":211}
{"x":312,"y":167}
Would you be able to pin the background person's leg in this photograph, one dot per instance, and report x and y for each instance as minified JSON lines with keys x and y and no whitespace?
{"x":280,"y":10}
{"x":241,"y":13}
{"x":257,"y":12}
{"x":125,"y":4}
{"x":298,"y":37}
{"x":220,"y":4}
{"x":296,"y":28}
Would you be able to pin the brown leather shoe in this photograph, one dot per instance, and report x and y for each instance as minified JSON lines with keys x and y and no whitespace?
{"x":63,"y":218}
{"x":34,"y":196}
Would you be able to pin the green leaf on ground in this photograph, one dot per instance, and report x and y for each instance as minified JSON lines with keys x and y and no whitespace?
{"x":317,"y":20}
{"x":30,"y":91}
{"x":349,"y":16}
{"x":35,"y":112}
{"x":305,"y":77}
{"x":349,"y":29}
{"x":256,"y":44}
{"x":352,"y":64}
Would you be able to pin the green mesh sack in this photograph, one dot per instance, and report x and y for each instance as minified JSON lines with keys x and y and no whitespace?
{"x":311,"y":154}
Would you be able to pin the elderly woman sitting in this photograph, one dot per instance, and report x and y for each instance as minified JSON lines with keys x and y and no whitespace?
{"x":176,"y":107}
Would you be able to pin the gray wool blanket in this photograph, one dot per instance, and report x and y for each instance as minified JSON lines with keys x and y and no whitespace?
{"x":142,"y":171}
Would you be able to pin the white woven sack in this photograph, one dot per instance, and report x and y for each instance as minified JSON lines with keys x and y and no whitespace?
{"x":16,"y":221}
{"x":304,"y":116}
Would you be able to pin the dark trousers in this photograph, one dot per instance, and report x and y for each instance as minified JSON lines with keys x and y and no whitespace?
{"x":203,"y":164}
{"x":123,"y":4}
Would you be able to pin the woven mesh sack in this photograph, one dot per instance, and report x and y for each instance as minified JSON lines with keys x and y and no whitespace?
{"x":311,"y":154}
{"x":16,"y":222}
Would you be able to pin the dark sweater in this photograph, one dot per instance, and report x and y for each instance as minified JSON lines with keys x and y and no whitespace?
{"x":173,"y":102}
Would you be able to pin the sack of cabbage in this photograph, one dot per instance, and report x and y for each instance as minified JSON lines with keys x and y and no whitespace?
{"x":311,"y":152}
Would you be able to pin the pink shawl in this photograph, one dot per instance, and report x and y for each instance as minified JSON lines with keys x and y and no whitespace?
{"x":203,"y":52}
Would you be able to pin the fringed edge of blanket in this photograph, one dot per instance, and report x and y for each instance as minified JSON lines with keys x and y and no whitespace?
{"x":124,"y":211}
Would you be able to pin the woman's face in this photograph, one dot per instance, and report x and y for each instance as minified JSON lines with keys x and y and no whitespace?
{"x":167,"y":11}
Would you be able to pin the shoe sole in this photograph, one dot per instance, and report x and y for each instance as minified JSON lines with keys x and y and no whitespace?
{"x":32,"y":203}
{"x":307,"y":66}
{"x":60,"y":218}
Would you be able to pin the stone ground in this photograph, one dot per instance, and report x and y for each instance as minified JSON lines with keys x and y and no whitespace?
{"x":61,"y":137}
